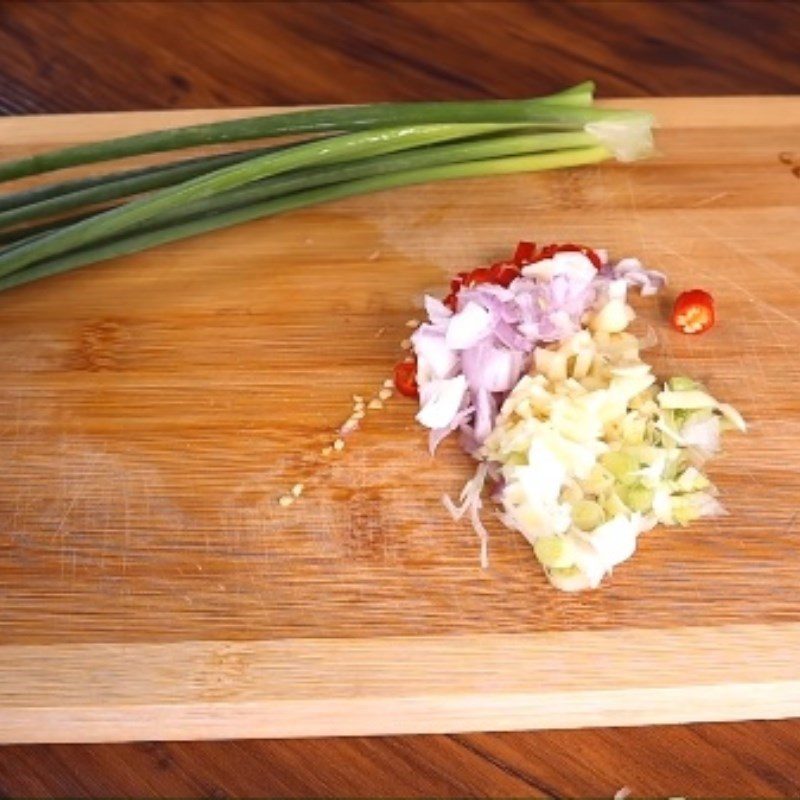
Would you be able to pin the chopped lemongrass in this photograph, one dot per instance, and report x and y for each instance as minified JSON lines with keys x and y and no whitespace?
{"x":285,"y":500}
{"x":338,"y":445}
{"x":689,"y":399}
{"x":384,"y":394}
{"x":620,"y":465}
{"x":587,"y":515}
{"x":375,"y":404}
{"x":681,"y":383}
{"x":557,"y":552}
{"x":297,"y":489}
{"x":733,"y":416}
{"x":638,"y":498}
{"x":587,"y":452}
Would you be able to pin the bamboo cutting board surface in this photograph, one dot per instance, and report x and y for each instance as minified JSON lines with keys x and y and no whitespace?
{"x":153,"y":410}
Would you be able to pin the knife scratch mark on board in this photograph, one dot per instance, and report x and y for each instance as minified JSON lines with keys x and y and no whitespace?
{"x":64,"y":517}
{"x":126,"y":526}
{"x":718,"y":276}
{"x":708,"y":200}
{"x":636,"y":216}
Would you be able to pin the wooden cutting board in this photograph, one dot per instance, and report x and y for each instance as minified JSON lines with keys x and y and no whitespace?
{"x":153,"y":410}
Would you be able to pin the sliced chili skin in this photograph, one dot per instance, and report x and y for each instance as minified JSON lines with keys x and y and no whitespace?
{"x":405,"y":378}
{"x":457,"y":282}
{"x":524,"y":253}
{"x":479,"y":275}
{"x":693,"y":312}
{"x":503,"y":273}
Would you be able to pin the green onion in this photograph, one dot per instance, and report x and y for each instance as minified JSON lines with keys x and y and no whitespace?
{"x":20,"y":235}
{"x":121,"y":184}
{"x":434,"y":155}
{"x":136,"y":242}
{"x":570,"y":110}
{"x":325,"y":151}
{"x":53,"y":199}
{"x":49,"y":190}
{"x":61,"y":225}
{"x":419,"y":158}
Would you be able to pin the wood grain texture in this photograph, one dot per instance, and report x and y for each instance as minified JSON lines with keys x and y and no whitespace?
{"x":156,"y":409}
{"x":91,"y":56}
{"x":732,"y":760}
{"x":84,"y":56}
{"x":324,"y":687}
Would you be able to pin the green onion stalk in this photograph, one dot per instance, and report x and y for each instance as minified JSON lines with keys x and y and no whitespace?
{"x":54,"y":199}
{"x":333,"y":150}
{"x":352,"y":151}
{"x":565,"y":108}
{"x":188,"y":228}
{"x":471,"y":150}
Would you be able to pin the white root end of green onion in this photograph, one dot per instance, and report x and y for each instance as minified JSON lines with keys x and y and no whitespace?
{"x":628,"y":140}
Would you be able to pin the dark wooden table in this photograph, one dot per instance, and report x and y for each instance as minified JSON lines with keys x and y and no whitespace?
{"x":84,"y":56}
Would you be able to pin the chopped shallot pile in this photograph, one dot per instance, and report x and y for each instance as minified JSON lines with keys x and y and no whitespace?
{"x":530,"y":362}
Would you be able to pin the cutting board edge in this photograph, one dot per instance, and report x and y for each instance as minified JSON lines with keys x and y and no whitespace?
{"x":288,"y":719}
{"x":442,"y":684}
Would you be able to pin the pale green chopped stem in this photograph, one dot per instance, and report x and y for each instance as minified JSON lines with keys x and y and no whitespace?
{"x":639,"y":498}
{"x":689,"y":399}
{"x":556,"y":552}
{"x":681,"y":383}
{"x":620,"y":465}
{"x":587,"y":515}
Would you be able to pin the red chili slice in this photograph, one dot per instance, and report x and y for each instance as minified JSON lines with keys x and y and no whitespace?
{"x":479,"y":275}
{"x":524,"y":253}
{"x":504,"y":273}
{"x":458,"y":281}
{"x":405,"y":378}
{"x":450,"y":301}
{"x":693,"y":311}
